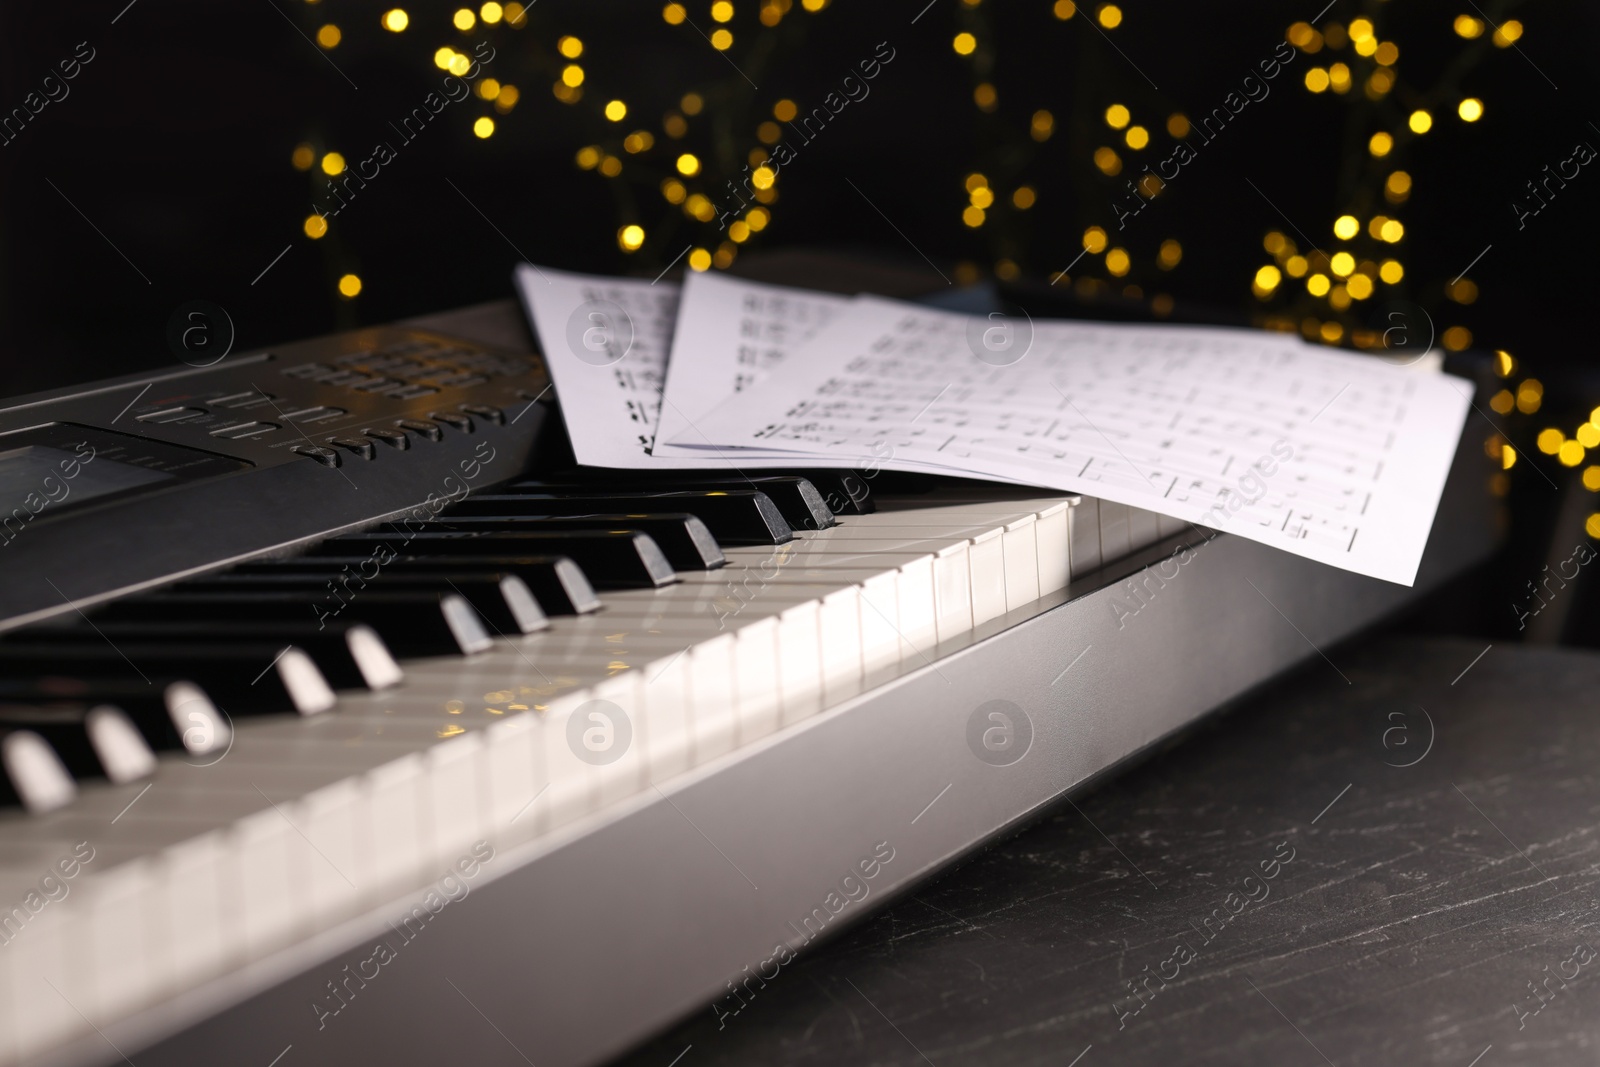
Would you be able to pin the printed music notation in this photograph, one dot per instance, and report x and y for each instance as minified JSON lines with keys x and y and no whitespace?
{"x":1330,"y":455}
{"x":731,"y":333}
{"x":637,"y":363}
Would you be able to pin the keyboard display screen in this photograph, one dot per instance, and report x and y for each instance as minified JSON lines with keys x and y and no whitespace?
{"x":37,"y":476}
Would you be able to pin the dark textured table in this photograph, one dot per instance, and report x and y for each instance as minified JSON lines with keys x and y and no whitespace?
{"x":1401,"y":868}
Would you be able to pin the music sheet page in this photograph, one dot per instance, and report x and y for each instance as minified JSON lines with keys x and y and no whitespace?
{"x":730,"y":334}
{"x":607,"y":343}
{"x":1330,"y":455}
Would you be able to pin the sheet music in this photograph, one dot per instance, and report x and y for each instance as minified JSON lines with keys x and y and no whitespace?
{"x":1333,"y":456}
{"x":730,"y":334}
{"x":607,"y":343}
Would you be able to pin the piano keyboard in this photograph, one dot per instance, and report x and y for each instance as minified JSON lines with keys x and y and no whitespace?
{"x":213,"y":789}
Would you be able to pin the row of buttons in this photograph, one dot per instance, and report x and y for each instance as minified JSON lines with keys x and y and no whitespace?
{"x":411,"y":358}
{"x":394,"y":388}
{"x":241,"y":429}
{"x":397,"y":438}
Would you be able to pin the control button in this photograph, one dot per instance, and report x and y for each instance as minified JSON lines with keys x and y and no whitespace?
{"x":412,"y":392}
{"x":362,"y":448}
{"x":392,"y":438}
{"x":451,"y":418}
{"x":171,"y":415}
{"x":316,"y":414}
{"x":485,"y":411}
{"x":243,"y":400}
{"x":342,"y":377}
{"x":461,"y":381}
{"x":240,"y":430}
{"x":307,"y":370}
{"x":430,"y":430}
{"x":376,"y":385}
{"x":325,"y":456}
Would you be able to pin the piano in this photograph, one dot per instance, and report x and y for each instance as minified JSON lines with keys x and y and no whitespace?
{"x":344,"y":721}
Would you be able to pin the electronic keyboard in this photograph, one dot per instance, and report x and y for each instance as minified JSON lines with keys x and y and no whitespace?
{"x":345,"y":721}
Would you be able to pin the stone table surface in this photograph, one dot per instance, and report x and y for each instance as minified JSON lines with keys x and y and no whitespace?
{"x":1390,"y":856}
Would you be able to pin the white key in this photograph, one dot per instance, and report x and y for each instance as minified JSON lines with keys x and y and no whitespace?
{"x":9,"y":1023}
{"x":800,"y":661}
{"x":1143,"y":529}
{"x":987,"y":568}
{"x":42,"y":970}
{"x":1055,"y":547}
{"x":268,"y":857}
{"x":917,"y":617}
{"x":711,"y":696}
{"x":952,"y":591}
{"x":333,"y":821}
{"x":400,"y":842}
{"x":1021,"y":549}
{"x":839,"y":620}
{"x":454,"y":769}
{"x":514,"y":747}
{"x":880,"y":633}
{"x":201,"y":908}
{"x":664,"y":698}
{"x":755,"y":661}
{"x":572,"y":724}
{"x":621,"y":772}
{"x":1115,"y":539}
{"x":124,"y":949}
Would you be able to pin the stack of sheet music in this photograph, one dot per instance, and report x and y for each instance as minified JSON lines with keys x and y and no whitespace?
{"x":1331,"y":455}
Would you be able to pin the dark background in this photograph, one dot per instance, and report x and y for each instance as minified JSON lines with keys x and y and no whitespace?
{"x":165,"y":175}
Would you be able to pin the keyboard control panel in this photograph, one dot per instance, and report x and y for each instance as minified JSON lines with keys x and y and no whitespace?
{"x":119,"y":485}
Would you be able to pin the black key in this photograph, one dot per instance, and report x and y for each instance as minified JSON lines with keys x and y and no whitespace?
{"x":258,"y":677}
{"x":177,"y":715}
{"x":411,"y":623}
{"x":503,"y":600}
{"x":845,"y":492}
{"x":92,"y":742}
{"x":31,"y":773}
{"x":686,"y":541}
{"x":735,"y":517}
{"x":350,"y":654}
{"x":616,"y":560}
{"x":557,"y":583}
{"x":798,"y":501}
